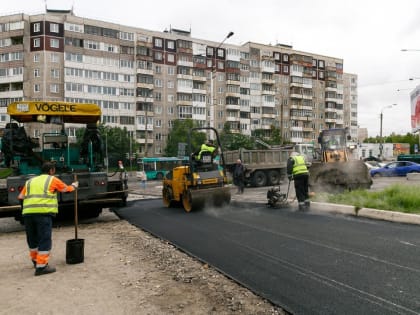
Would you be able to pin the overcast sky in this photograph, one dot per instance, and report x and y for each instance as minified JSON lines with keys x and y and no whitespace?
{"x":367,"y":34}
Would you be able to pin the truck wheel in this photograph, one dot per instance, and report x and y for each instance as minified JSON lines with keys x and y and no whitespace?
{"x":273,"y":177}
{"x":259,"y":179}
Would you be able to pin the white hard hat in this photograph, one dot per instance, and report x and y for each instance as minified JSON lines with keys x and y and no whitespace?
{"x":294,"y":154}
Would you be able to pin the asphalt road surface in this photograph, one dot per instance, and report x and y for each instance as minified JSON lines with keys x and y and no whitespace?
{"x":305,"y":262}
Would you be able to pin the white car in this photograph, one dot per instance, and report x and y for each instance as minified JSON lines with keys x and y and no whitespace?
{"x":374,"y":164}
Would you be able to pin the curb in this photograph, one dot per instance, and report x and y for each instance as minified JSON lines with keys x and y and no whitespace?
{"x":376,"y":214}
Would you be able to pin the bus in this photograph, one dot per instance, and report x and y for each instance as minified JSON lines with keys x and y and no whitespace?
{"x":157,"y":167}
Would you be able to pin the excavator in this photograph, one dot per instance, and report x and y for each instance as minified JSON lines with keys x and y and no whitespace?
{"x":200,"y":182}
{"x":332,"y":169}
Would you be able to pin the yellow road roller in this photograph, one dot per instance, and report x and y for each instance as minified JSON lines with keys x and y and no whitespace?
{"x":202,"y":182}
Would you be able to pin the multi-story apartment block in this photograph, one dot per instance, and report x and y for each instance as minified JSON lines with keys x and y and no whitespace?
{"x":144,"y":80}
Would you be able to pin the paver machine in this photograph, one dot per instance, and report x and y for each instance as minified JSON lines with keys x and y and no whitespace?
{"x":37,"y":133}
{"x":334,"y":171}
{"x":200,"y":182}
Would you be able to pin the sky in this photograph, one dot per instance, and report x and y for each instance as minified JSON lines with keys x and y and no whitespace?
{"x":367,"y":34}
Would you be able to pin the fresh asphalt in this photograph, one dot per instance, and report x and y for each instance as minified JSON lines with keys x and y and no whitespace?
{"x":306,"y":262}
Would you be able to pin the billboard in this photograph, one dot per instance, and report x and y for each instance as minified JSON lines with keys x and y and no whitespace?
{"x":415,"y":109}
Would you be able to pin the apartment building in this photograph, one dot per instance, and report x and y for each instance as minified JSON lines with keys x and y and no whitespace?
{"x":144,"y":80}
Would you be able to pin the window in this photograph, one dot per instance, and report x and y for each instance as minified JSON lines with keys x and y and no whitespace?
{"x":55,"y":73}
{"x":54,"y":28}
{"x":54,"y":57}
{"x":37,"y":42}
{"x":158,"y":56}
{"x":36,"y":58}
{"x":54,"y":43}
{"x":37,"y":88}
{"x":54,"y":88}
{"x":171,"y":70}
{"x":36,"y":73}
{"x":37,"y":27}
{"x":158,"y":42}
{"x":170,"y":44}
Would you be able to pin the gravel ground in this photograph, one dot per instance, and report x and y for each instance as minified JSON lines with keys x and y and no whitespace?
{"x":125,"y":271}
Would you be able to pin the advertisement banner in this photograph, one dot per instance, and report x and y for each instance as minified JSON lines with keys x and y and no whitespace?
{"x":415,"y":110}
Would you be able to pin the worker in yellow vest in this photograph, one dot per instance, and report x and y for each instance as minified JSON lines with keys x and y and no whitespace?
{"x":40,"y":205}
{"x":297,"y":171}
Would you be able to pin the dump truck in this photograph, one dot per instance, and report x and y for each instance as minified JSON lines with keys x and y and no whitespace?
{"x":200,"y":181}
{"x":332,"y":170}
{"x":263,"y":167}
{"x":24,"y":156}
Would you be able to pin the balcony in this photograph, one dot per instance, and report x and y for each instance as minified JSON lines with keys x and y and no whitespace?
{"x":233,"y":94}
{"x":184,"y":103}
{"x":185,"y":63}
{"x":294,"y":95}
{"x":232,"y":119}
{"x":233,"y":107}
{"x":268,"y":92}
{"x":268,"y":69}
{"x":144,"y":85}
{"x":11,"y":79}
{"x":296,"y":128}
{"x":145,"y":71}
{"x":268,"y":104}
{"x":12,"y":94}
{"x":144,"y":99}
{"x":184,"y":76}
{"x":199,"y":78}
{"x":145,"y":141}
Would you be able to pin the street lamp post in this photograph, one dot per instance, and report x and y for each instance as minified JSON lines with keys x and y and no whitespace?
{"x":380,"y":131}
{"x":212,"y":84}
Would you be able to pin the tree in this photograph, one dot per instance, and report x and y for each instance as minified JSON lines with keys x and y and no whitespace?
{"x":234,"y":141}
{"x":116,"y":142}
{"x":179,"y":134}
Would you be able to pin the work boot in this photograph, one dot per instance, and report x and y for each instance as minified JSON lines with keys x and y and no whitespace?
{"x":302,"y":206}
{"x":34,"y":262}
{"x":307,"y":204}
{"x":44,"y":270}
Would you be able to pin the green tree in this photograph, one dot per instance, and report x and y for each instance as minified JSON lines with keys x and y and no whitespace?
{"x":179,"y":134}
{"x":409,"y":138}
{"x":234,"y":141}
{"x":115,"y":140}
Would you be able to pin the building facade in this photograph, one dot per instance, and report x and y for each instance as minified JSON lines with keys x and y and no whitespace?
{"x":144,"y":80}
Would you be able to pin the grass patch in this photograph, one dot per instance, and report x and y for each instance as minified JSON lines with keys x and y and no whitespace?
{"x":397,"y":197}
{"x":5,"y":172}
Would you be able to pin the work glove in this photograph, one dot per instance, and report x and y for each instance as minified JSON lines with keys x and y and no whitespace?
{"x":75,"y":184}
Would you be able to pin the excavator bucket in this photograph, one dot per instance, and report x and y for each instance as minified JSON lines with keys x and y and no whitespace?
{"x":338,"y":176}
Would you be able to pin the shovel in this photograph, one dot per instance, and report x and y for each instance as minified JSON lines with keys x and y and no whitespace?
{"x":75,"y":247}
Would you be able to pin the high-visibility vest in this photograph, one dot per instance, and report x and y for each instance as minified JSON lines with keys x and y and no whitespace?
{"x":299,"y":167}
{"x":205,"y":148}
{"x":38,"y":198}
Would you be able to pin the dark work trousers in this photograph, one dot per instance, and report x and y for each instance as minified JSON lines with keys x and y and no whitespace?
{"x":301,"y":187}
{"x":241,"y":185}
{"x":38,"y":231}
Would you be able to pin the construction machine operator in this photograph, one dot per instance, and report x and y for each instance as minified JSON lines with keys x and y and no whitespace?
{"x":205,"y":147}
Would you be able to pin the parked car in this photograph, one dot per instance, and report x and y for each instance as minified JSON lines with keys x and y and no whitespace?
{"x":372,"y":158}
{"x":374,"y":164}
{"x":397,"y":168}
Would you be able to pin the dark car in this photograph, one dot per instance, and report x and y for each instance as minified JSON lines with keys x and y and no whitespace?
{"x":372,"y":158}
{"x":398,"y":168}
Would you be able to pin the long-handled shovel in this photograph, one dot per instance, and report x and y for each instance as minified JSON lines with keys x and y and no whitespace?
{"x":75,"y":247}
